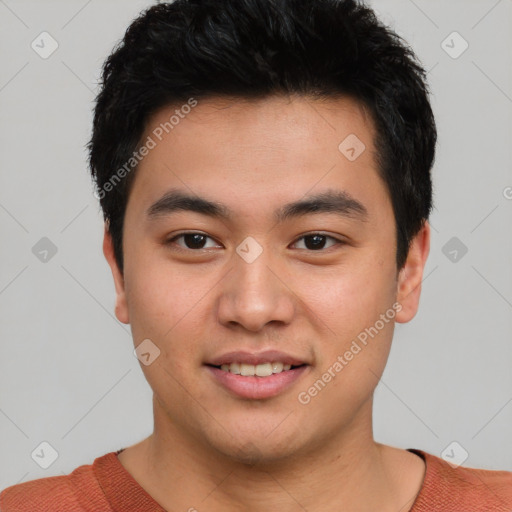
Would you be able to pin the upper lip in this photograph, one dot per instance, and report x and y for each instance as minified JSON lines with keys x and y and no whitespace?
{"x":267,"y":356}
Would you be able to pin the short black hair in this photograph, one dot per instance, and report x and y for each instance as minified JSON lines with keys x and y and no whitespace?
{"x":251,"y":49}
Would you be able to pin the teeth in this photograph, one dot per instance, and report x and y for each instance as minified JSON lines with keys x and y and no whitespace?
{"x":260,"y":370}
{"x":263,"y":370}
{"x":247,"y":369}
{"x":277,"y":367}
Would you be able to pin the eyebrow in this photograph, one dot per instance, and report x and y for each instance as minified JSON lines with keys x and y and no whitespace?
{"x":334,"y":201}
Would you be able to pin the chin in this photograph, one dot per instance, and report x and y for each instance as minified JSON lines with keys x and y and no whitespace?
{"x":254,"y":450}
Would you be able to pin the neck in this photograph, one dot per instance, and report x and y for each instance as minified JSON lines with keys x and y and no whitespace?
{"x":350,"y":471}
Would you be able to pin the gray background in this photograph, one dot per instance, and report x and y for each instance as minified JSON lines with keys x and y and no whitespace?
{"x":67,"y":371}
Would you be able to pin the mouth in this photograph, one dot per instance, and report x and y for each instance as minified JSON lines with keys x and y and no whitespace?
{"x":257,"y":370}
{"x":256,"y":376}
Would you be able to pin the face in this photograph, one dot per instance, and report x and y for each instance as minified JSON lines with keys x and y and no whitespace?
{"x":245,"y":266}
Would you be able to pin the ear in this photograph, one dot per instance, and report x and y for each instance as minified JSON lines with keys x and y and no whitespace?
{"x":411,"y":275}
{"x":121,"y":305}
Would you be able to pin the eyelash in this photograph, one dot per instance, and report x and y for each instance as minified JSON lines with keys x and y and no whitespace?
{"x":180,"y":235}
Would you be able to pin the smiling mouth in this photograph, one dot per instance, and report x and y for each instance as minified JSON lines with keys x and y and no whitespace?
{"x":258,"y":370}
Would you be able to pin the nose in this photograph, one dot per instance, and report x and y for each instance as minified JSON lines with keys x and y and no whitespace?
{"x":254,"y":294}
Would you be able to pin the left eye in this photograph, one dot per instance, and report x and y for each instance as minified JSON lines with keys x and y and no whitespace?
{"x":317,"y":241}
{"x":313,"y":241}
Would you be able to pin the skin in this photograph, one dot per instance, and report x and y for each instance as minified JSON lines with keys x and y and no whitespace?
{"x":214,"y":451}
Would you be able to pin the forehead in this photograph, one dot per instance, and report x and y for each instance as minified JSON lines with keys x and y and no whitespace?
{"x":281,"y":147}
{"x":279,"y":119}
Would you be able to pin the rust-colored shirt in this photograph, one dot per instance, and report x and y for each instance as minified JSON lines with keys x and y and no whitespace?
{"x":106,"y":486}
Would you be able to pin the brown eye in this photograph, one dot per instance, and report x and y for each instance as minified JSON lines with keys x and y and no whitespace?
{"x":191,"y":241}
{"x":317,"y":241}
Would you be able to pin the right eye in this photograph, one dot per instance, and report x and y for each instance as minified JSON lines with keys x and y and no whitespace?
{"x":192,"y":240}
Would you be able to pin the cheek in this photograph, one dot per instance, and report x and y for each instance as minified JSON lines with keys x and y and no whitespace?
{"x":351,"y":299}
{"x":353,"y":343}
{"x":165,"y":307}
{"x":166,"y":302}
{"x":151,"y":293}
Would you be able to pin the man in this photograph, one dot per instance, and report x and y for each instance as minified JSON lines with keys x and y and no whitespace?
{"x":264,"y":172}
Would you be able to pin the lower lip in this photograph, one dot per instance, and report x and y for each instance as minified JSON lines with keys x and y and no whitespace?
{"x":255,"y":388}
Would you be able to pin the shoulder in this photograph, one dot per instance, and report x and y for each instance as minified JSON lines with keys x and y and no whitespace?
{"x":77,"y":492}
{"x":447,"y":487}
